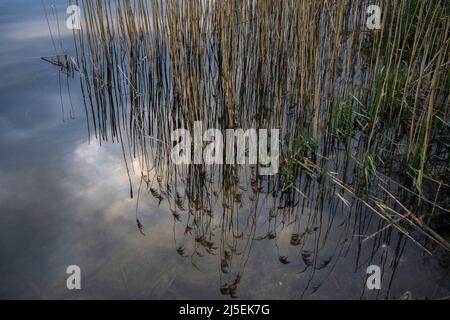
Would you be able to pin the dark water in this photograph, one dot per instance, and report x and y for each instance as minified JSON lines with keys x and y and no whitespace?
{"x":65,"y":200}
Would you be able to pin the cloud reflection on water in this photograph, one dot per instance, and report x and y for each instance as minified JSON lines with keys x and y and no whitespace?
{"x":64,"y":201}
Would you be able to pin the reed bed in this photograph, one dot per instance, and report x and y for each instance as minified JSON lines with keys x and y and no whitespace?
{"x":364,"y":114}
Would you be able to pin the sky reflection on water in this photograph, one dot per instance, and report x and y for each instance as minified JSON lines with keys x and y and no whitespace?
{"x":66,"y":201}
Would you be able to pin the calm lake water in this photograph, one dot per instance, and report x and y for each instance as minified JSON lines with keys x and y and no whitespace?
{"x":65,"y":200}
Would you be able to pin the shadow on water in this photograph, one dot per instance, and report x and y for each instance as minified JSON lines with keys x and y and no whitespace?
{"x":363,"y":127}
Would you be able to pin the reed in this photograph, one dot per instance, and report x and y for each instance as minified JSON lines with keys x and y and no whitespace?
{"x":364,"y":115}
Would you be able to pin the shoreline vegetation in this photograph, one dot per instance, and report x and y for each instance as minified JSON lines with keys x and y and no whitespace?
{"x":364,"y":115}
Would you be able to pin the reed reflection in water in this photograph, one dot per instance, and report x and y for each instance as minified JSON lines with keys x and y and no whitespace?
{"x":363,"y":117}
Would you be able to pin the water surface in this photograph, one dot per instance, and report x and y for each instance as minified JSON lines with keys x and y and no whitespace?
{"x":65,"y":200}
